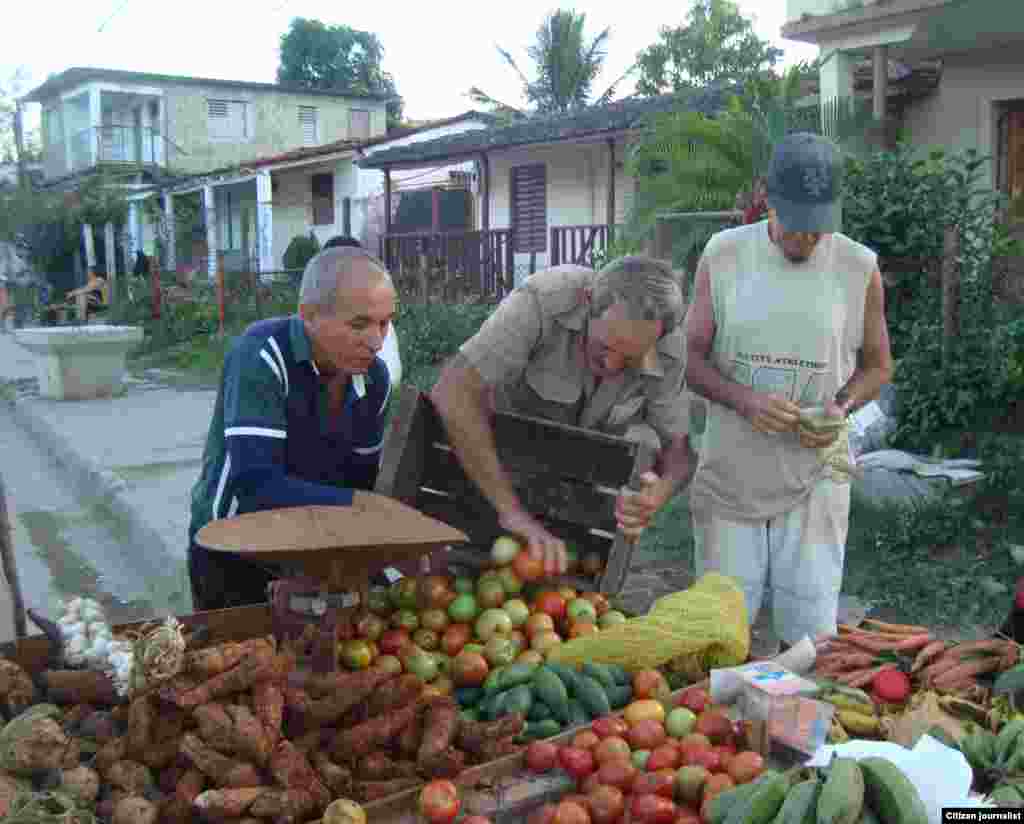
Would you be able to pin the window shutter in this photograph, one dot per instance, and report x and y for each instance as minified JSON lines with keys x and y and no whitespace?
{"x":226,"y":119}
{"x":529,"y":208}
{"x":323,"y":199}
{"x":217,"y":108}
{"x":307,"y":121}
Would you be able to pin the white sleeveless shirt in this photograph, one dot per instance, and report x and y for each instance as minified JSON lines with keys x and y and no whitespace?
{"x":790,"y":329}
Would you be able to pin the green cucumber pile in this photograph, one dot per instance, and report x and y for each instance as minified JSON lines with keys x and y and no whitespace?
{"x":551,"y":697}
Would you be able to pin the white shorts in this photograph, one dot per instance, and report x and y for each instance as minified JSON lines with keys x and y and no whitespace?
{"x":798,"y":554}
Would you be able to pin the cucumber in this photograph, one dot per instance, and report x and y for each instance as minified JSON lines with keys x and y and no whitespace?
{"x":517,"y":700}
{"x":567,"y":674}
{"x":620,"y":674}
{"x":548,"y":687}
{"x":536,"y":730}
{"x":515,"y":674}
{"x":490,"y":706}
{"x":592,"y":696}
{"x":599,"y":673}
{"x":493,"y":681}
{"x":619,"y":696}
{"x":470,"y":714}
{"x":539,"y":711}
{"x":578,"y":715}
{"x":468,"y":696}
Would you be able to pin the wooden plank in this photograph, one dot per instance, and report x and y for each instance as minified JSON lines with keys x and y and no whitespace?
{"x":403,"y":456}
{"x":621,"y":555}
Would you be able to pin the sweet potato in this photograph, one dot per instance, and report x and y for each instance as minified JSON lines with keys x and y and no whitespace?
{"x":209,"y":661}
{"x":178,"y":808}
{"x":337,"y":778}
{"x":349,"y":745}
{"x":292,"y":770}
{"x":82,"y":782}
{"x":17,"y":690}
{"x":262,"y":665}
{"x":161,"y":754}
{"x":498,"y":748}
{"x":411,"y":737}
{"x":248,"y":738}
{"x":222,"y":771}
{"x":233,"y":802}
{"x":131,"y":776}
{"x":114,"y":750}
{"x":395,"y":693}
{"x":366,"y":791}
{"x":268,"y":705}
{"x":79,"y":687}
{"x":135,"y":810}
{"x":380,"y":767}
{"x":285,"y":806}
{"x":474,"y":736}
{"x":440,"y":724}
{"x":142,"y":715}
{"x":99,"y":726}
{"x":169,"y":777}
{"x":447,"y":764}
{"x":75,"y":715}
{"x":358,"y":687}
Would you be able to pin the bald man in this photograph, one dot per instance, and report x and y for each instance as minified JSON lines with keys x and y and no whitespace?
{"x":299,"y":417}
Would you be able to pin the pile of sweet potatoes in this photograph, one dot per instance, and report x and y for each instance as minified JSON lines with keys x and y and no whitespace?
{"x":241,"y":736}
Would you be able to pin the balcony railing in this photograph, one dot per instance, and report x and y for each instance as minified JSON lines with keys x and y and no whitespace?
{"x":475,"y":262}
{"x":123,"y":146}
{"x":578,"y":244}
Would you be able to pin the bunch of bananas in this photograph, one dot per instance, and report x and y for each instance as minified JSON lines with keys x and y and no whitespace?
{"x":855,"y":716}
{"x":995,"y":757}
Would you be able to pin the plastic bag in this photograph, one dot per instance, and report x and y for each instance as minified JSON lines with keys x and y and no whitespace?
{"x":704,"y":626}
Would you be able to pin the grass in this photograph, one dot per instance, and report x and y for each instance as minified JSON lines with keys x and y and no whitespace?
{"x":946,"y":563}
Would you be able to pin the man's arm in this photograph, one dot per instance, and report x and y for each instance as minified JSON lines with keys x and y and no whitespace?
{"x":874,"y":360}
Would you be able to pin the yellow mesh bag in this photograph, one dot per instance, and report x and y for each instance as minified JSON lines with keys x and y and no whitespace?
{"x":698,"y":628}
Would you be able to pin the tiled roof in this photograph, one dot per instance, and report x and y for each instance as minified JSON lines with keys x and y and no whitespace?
{"x":620,"y":116}
{"x":77,"y":75}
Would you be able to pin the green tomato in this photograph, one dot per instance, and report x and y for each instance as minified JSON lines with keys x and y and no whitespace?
{"x":463,"y":609}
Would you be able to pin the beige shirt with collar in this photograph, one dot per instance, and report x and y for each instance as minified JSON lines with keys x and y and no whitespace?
{"x":530,"y":351}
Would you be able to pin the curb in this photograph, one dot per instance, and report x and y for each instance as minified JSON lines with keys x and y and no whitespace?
{"x":91,"y":483}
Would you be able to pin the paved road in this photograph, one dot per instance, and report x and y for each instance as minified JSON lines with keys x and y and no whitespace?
{"x":65,"y":546}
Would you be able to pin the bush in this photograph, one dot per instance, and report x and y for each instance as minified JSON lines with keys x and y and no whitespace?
{"x":300,"y":251}
{"x":430,"y":334}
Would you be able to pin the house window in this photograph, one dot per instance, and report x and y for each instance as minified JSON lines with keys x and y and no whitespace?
{"x":323,"y":200}
{"x":530,"y":208}
{"x":358,"y":124}
{"x":227,"y":119}
{"x":53,"y":127}
{"x":308,"y":124}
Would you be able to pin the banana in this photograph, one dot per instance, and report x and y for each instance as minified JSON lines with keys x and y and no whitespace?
{"x":859,"y":723}
{"x":837,"y":733}
{"x":1006,"y":741}
{"x":846,"y":702}
{"x":963,"y":708}
{"x":851,"y":692}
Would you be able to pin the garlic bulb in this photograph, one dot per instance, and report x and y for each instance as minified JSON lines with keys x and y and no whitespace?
{"x":99,"y":650}
{"x":75,"y":650}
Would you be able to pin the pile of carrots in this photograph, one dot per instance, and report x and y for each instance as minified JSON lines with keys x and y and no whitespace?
{"x":856,"y":655}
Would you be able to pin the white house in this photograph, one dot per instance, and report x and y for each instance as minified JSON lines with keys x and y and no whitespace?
{"x":547,"y":189}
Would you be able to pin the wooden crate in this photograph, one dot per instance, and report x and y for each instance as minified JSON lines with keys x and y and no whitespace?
{"x":566,"y":476}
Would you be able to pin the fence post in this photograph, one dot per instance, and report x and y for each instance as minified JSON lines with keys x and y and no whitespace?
{"x":220,"y":299}
{"x":950,"y":291}
{"x":155,"y":281}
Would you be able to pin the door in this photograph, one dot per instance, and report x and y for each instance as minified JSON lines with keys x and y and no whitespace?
{"x":1015,"y":164}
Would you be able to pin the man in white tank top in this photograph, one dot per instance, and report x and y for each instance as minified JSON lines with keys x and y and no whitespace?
{"x":788,"y":314}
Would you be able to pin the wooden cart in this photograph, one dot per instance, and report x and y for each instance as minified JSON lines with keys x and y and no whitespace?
{"x":566,"y":476}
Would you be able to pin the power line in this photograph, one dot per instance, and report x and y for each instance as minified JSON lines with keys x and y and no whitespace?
{"x":113,"y":14}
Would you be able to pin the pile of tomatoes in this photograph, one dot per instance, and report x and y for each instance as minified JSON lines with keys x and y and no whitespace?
{"x":641,"y":769}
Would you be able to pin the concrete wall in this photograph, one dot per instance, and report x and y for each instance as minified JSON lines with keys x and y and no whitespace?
{"x":962,"y":112}
{"x":273,"y":124}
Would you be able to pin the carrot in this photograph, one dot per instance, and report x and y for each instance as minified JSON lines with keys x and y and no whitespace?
{"x":942,"y":664}
{"x":901,"y":629}
{"x":366,"y":791}
{"x":374,"y":734}
{"x":1010,"y":657}
{"x":439,"y":729}
{"x":912,"y":643}
{"x":268,"y":704}
{"x":871,"y":644}
{"x":927,"y":654}
{"x":292,"y":770}
{"x":474,"y":735}
{"x":965,"y":672}
{"x":223,"y":771}
{"x":862,"y":677}
{"x":993,"y":645}
{"x":395,"y":693}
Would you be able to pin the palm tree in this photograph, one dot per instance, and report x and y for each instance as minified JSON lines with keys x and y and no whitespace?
{"x":565,"y":63}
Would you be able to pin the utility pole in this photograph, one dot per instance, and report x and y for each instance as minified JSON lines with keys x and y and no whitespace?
{"x":19,"y":146}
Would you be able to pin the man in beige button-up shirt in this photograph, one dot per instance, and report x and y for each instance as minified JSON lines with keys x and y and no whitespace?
{"x":601,"y":350}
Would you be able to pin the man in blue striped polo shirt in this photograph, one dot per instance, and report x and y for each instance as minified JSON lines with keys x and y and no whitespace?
{"x":299,"y":417}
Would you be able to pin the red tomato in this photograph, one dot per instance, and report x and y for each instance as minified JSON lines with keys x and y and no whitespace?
{"x":526,"y":567}
{"x":619,"y":774}
{"x":579,"y":763}
{"x":589,"y":784}
{"x":656,"y":783}
{"x":541,"y":756}
{"x":606,"y":804}
{"x":652,"y":809}
{"x":571,"y":812}
{"x":552,"y":604}
{"x":694,"y":699}
{"x":648,"y":734}
{"x":393,"y":640}
{"x":455,"y":637}
{"x":439,"y":801}
{"x":608,"y":725}
{"x":612,"y":748}
{"x":649,"y":683}
{"x":666,"y":755}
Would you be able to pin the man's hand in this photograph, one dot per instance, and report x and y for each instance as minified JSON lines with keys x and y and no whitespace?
{"x":771,"y":414}
{"x":634,"y":509}
{"x":820,"y":440}
{"x":539,"y":542}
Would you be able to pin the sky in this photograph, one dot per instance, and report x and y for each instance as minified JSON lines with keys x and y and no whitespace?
{"x":435,"y":51}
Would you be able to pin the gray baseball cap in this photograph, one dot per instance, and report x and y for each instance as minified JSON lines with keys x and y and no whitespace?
{"x":804,"y":183}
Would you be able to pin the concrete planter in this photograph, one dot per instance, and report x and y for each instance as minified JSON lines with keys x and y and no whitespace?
{"x":76,"y":363}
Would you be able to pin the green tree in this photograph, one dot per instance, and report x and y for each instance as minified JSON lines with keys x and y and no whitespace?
{"x":314,"y":55}
{"x":9,"y":92}
{"x":565,"y":61}
{"x":715,"y":44}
